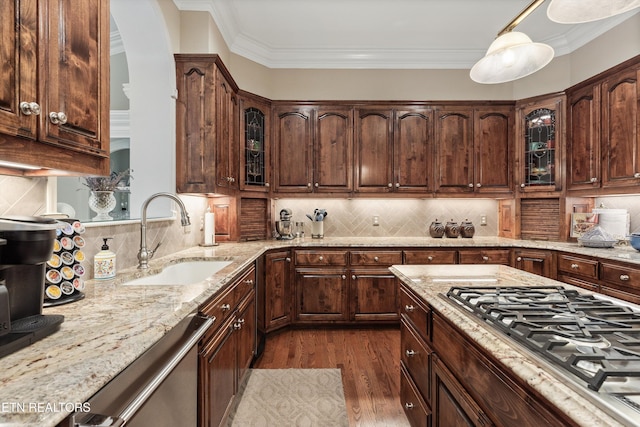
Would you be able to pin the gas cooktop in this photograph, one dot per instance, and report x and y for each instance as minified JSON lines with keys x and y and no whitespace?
{"x":593,"y":339}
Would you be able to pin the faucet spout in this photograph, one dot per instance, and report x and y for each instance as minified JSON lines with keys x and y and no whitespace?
{"x":145,"y":254}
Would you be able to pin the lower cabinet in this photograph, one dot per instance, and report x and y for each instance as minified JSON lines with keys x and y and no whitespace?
{"x":374,"y":295}
{"x":226,"y":352}
{"x":276,"y":290}
{"x":321,"y":294}
{"x":535,"y":261}
{"x":484,"y":256}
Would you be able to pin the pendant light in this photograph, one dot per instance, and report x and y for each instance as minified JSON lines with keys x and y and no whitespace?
{"x":581,"y":11}
{"x":512,"y":55}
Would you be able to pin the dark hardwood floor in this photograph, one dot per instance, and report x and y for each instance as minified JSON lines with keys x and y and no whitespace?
{"x":368,"y":358}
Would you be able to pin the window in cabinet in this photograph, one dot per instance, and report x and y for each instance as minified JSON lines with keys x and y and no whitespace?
{"x":540,"y":143}
{"x":254,"y":147}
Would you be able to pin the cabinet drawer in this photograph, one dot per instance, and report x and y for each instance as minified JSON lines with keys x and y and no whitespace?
{"x":416,"y":358}
{"x":578,"y":266}
{"x":417,"y":313}
{"x":579,"y":282}
{"x":321,"y":257}
{"x":489,"y":256}
{"x":220,"y":306}
{"x":627,"y":277}
{"x":417,"y":412}
{"x":430,"y":257}
{"x":243,"y":286}
{"x":384,"y":258}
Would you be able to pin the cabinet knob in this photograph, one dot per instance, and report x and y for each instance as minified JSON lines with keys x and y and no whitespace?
{"x":266,"y":184}
{"x":478,"y":185}
{"x":409,"y":308}
{"x":354,"y":277}
{"x":636,"y":175}
{"x":470,"y":185}
{"x":344,"y":277}
{"x":575,"y":266}
{"x":408,"y":405}
{"x":232,"y":179}
{"x":376,"y":259}
{"x":429,"y":258}
{"x":241,"y":321}
{"x":225,"y":307}
{"x":249,"y":282}
{"x":29,"y":108}
{"x":410,"y":353}
{"x":317,"y":185}
{"x":390,"y":185}
{"x":321,"y":258}
{"x":287,"y":259}
{"x":624,"y":277}
{"x":594,"y":179}
{"x":397,"y":185}
{"x":522,"y":185}
{"x":519,"y":259}
{"x":308,"y":184}
{"x":485,"y":258}
{"x":59,"y":118}
{"x":237,"y":325}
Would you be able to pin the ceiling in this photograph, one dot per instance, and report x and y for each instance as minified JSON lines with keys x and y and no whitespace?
{"x":392,"y":34}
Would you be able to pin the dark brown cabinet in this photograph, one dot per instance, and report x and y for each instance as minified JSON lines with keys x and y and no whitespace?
{"x":430,"y":256}
{"x":277,"y":291}
{"x":583,"y":138}
{"x":373,"y":289}
{"x":321,"y":294}
{"x":470,"y":143}
{"x":540,"y":141}
{"x":394,"y":149}
{"x":207,"y":122}
{"x":312,"y":148}
{"x":54,"y":97}
{"x":534,"y":261}
{"x":227,"y":351}
{"x":485,"y":256}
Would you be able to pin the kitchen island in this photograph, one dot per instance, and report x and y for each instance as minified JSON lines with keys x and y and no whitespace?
{"x":115,"y":323}
{"x":529,"y":374}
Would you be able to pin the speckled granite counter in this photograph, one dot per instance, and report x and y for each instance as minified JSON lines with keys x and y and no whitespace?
{"x":114,"y":324}
{"x":431,"y":282}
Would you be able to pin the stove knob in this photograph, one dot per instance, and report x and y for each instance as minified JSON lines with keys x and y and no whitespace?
{"x":485,"y":258}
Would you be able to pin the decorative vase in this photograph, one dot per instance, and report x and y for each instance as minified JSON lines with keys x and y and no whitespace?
{"x":467,"y":229}
{"x":436,"y":229}
{"x":102,"y":202}
{"x":452,"y":229}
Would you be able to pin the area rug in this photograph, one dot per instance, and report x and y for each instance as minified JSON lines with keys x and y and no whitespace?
{"x":291,"y":397}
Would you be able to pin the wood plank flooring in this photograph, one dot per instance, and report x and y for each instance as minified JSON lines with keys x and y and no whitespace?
{"x":368,"y":358}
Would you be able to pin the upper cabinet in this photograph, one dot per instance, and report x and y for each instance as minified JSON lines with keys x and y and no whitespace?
{"x":207,"y":126}
{"x":54,"y":96}
{"x":540,"y":141}
{"x":394,"y":148}
{"x":255,"y":115}
{"x":603,"y":132}
{"x":473,"y":149}
{"x":313,"y":148}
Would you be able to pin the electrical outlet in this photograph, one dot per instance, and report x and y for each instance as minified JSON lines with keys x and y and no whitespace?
{"x":376,"y":220}
{"x":483,"y":219}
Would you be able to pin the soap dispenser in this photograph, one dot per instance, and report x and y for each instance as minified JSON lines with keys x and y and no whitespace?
{"x":104,"y":262}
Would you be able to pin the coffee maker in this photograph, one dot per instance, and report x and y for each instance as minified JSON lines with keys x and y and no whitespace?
{"x":26,"y":244}
{"x":284,"y":227}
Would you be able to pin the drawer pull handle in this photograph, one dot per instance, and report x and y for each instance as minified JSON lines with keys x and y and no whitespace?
{"x":249,"y":282}
{"x":237,"y":325}
{"x":225,"y":307}
{"x":409,"y":308}
{"x":624,"y":277}
{"x":575,"y":266}
{"x":408,"y":405}
{"x":485,"y":258}
{"x":411,"y":353}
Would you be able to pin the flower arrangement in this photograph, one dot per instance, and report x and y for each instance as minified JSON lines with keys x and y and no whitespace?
{"x":106,"y":183}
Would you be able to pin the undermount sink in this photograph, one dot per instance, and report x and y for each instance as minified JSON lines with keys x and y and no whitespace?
{"x":183,"y":273}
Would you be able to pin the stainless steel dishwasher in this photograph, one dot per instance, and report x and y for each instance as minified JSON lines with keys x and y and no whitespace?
{"x":158,"y":389}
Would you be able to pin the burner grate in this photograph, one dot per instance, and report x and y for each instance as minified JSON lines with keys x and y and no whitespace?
{"x":596,"y":340}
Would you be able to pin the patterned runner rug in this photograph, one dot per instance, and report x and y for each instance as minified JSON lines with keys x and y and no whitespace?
{"x":291,"y":397}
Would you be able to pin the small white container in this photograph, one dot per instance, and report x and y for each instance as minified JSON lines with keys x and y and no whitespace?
{"x":317,"y":229}
{"x":104,"y":263}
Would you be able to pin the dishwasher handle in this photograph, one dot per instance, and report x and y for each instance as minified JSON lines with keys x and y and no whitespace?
{"x":94,"y":420}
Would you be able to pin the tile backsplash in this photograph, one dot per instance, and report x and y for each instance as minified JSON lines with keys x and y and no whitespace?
{"x":346,"y":218}
{"x":396,"y":217}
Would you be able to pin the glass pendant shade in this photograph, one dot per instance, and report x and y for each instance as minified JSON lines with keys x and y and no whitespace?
{"x":510,"y":57}
{"x":580,"y":11}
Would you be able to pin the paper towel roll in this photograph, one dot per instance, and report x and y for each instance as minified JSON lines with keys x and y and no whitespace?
{"x":209,"y":229}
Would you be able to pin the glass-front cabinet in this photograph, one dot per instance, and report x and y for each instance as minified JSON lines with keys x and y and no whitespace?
{"x":254,"y":152}
{"x":540,"y":135}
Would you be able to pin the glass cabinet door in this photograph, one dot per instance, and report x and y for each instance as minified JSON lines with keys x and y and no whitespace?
{"x":540,"y":148}
{"x":254,"y":147}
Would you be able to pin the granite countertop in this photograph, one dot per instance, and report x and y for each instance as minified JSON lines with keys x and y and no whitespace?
{"x":432,"y":282}
{"x":114,"y":324}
